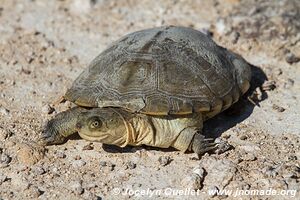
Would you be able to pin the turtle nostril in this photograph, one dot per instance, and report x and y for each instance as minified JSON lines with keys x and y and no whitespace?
{"x":78,"y":125}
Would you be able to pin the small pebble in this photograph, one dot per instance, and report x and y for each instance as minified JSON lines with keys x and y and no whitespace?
{"x":4,"y":160}
{"x":110,"y":165}
{"x":47,"y":109}
{"x":38,"y":170}
{"x":289,"y":83}
{"x":3,"y":134}
{"x":76,"y":187}
{"x":3,"y":178}
{"x":103,"y":163}
{"x":77,"y":157}
{"x":164,"y":160}
{"x":248,"y":157}
{"x":234,"y":37}
{"x":88,"y":147}
{"x":35,"y":192}
{"x":193,"y":181}
{"x":4,"y":111}
{"x":243,"y":137}
{"x":270,"y":171}
{"x":278,"y":72}
{"x":199,"y":171}
{"x":27,"y":71}
{"x":130,"y":165}
{"x":78,"y":163}
{"x":278,"y":108}
{"x":292,"y":157}
{"x":60,"y":154}
{"x":213,"y":190}
{"x":291,"y":58}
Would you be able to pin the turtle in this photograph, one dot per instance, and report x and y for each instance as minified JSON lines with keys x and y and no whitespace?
{"x":153,"y":87}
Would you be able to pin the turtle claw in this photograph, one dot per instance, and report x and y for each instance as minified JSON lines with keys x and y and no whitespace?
{"x":222,"y":146}
{"x":201,"y":145}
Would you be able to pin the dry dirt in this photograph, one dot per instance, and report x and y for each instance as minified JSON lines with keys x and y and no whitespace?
{"x":44,"y":45}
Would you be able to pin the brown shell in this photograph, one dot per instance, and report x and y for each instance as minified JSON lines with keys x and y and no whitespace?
{"x":159,"y":71}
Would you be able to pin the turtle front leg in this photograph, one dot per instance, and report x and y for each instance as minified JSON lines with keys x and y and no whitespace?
{"x":61,"y":126}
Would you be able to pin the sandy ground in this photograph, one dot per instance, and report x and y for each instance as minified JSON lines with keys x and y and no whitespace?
{"x":44,"y":45}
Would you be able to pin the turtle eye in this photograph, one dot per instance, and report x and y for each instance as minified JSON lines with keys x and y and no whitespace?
{"x":95,"y":123}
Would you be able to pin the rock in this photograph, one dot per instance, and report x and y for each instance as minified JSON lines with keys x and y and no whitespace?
{"x":110,"y":165}
{"x":221,"y":27}
{"x":130,"y":165}
{"x":291,"y":58}
{"x":3,"y":178}
{"x":77,"y":157}
{"x":4,"y":160}
{"x":234,"y":37}
{"x":193,"y":181}
{"x":29,"y":154}
{"x":4,"y":111}
{"x":34,"y":192}
{"x":278,"y":108}
{"x":78,"y":163}
{"x":88,"y":147}
{"x":218,"y":172}
{"x":199,"y":171}
{"x":243,"y":137}
{"x":60,"y":154}
{"x":47,"y":109}
{"x":4,"y":134}
{"x":213,"y":191}
{"x":270,"y":171}
{"x":248,"y":157}
{"x":277,"y":72}
{"x":164,"y":160}
{"x":38,"y":170}
{"x":103,"y":163}
{"x":289,"y":83}
{"x":76,"y":187}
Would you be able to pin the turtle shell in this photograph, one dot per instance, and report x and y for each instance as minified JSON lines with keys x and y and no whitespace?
{"x":159,"y":71}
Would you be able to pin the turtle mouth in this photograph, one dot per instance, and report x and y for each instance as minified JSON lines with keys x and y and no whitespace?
{"x":50,"y":135}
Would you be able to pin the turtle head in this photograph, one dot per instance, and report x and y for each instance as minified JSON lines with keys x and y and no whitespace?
{"x":104,"y":125}
{"x":242,"y":71}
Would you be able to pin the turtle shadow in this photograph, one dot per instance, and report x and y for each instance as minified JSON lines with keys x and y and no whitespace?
{"x":131,"y":149}
{"x":238,"y":112}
